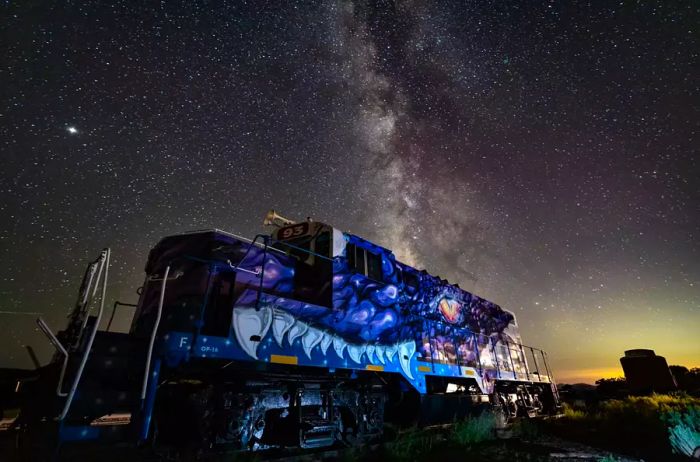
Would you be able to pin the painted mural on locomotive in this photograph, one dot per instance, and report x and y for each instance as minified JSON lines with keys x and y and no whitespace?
{"x":377,"y":313}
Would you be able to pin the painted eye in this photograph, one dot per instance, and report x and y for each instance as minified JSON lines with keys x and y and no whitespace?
{"x":451,"y":310}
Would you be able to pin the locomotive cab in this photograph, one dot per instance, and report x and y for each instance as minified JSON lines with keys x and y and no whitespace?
{"x":313,"y":245}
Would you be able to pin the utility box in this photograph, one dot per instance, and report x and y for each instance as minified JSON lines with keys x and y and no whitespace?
{"x":646,"y":372}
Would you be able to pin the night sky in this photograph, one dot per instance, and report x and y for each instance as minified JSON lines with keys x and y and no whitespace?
{"x":544,"y":155}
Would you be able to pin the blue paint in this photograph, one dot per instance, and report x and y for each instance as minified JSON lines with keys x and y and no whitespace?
{"x":78,"y":433}
{"x":432,"y":322}
{"x":149,"y":402}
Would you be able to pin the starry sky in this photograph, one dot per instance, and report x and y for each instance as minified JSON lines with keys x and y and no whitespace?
{"x":544,"y":155}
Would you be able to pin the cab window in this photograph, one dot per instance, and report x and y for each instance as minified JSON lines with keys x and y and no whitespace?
{"x":323,"y":244}
{"x":313,"y":268}
{"x":364,"y":262}
{"x":374,"y":266}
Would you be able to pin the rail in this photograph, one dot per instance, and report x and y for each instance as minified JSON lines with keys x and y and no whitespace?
{"x":156,"y":324}
{"x":466,"y":333}
{"x":61,"y":349}
{"x":104,"y":265}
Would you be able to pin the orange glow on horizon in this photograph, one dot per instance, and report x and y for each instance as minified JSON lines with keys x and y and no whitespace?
{"x":590,"y":375}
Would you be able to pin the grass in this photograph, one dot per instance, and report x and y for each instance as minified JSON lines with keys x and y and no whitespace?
{"x":526,"y":430}
{"x":411,"y":445}
{"x":474,"y":430}
{"x":654,"y":426}
{"x":417,"y":444}
{"x":571,"y":413}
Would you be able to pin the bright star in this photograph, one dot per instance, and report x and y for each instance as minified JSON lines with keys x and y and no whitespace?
{"x":72,"y":130}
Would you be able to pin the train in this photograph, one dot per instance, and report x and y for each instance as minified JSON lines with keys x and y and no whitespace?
{"x":304,"y":337}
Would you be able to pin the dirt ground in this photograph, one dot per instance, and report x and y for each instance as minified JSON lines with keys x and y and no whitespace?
{"x":507,"y":448}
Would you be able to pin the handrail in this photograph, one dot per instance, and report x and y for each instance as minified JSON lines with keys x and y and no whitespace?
{"x":84,"y":304}
{"x":152,"y":340}
{"x":94,"y":291}
{"x":88,"y":346}
{"x":276,"y":241}
{"x":495,"y":356}
{"x":57,"y":344}
{"x":549,"y":374}
{"x":510,"y":361}
{"x":524,"y":360}
{"x":86,"y":295}
{"x":266,"y":240}
{"x":240,"y":262}
{"x":252,"y":241}
{"x":465,"y":330}
{"x":537,"y":367}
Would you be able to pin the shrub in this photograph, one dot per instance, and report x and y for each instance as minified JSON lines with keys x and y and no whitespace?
{"x":572,"y":413}
{"x":644,"y":425}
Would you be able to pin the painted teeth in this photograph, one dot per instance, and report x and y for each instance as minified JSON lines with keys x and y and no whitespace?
{"x":326,"y":342}
{"x":311,"y":338}
{"x":281,"y":323}
{"x":406,"y":352}
{"x":370,"y":354}
{"x":250,"y":326}
{"x":339,"y":345}
{"x":355,"y":352}
{"x":390,"y":351}
{"x":297,"y":330}
{"x":379,"y":351}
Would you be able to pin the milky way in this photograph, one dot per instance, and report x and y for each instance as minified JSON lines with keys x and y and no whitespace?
{"x":542,"y":155}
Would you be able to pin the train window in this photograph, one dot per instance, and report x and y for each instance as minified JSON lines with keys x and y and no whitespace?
{"x":465,"y":350}
{"x":374,"y":266}
{"x":448,"y":347}
{"x":503,"y":358}
{"x":350,"y":255}
{"x":364,"y":262}
{"x":360,"y":260}
{"x":410,"y":280}
{"x":323,"y":244}
{"x":297,"y":248}
{"x":424,"y":351}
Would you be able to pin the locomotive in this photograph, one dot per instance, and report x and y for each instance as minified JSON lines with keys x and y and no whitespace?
{"x":307,"y":337}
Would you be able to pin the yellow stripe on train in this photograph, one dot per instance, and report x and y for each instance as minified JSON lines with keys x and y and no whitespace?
{"x":282,"y":359}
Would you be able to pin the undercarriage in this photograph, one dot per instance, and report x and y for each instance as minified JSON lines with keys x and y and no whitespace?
{"x":267,"y":412}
